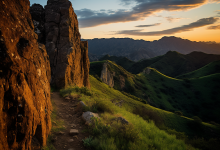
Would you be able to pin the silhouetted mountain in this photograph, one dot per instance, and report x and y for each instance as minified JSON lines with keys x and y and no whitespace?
{"x":171,"y":64}
{"x":140,"y":49}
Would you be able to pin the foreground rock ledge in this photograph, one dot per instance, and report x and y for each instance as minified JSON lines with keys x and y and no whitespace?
{"x":68,"y":55}
{"x":24,"y":79}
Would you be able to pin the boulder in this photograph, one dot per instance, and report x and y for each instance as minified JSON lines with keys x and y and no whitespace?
{"x":74,"y":132}
{"x":68,"y":55}
{"x":87,"y":116}
{"x":25,"y":105}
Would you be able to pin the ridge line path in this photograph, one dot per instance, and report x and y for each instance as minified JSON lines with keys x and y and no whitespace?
{"x":66,"y":111}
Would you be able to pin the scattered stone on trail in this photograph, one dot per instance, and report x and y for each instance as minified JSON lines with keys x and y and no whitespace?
{"x":67,"y":98}
{"x":87,"y":116}
{"x":70,"y":140}
{"x":74,"y":132}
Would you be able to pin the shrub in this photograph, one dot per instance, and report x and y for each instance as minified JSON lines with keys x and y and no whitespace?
{"x":87,"y":142}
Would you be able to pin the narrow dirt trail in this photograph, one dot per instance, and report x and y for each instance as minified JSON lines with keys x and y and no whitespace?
{"x":73,"y":120}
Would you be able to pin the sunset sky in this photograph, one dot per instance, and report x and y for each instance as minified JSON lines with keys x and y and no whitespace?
{"x":196,"y":20}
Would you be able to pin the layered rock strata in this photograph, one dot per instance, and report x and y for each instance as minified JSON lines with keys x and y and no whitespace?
{"x":24,"y":79}
{"x":68,"y":55}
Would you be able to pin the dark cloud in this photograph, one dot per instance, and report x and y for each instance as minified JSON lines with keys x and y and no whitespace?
{"x":200,"y":23}
{"x":142,"y":9}
{"x":149,"y":25}
{"x":217,"y":27}
{"x":85,"y":13}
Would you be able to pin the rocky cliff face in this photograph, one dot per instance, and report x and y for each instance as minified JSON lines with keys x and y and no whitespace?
{"x":24,"y":79}
{"x":68,"y":55}
{"x":107,"y":76}
{"x":38,"y":16}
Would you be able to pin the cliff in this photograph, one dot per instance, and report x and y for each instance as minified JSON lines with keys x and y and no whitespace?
{"x":68,"y":55}
{"x":25,"y":105}
{"x":107,"y":76}
{"x":38,"y":16}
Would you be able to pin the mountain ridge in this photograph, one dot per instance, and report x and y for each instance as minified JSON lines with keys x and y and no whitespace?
{"x":131,"y":48}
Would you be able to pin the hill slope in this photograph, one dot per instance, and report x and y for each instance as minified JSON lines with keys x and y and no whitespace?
{"x":211,"y":68}
{"x":141,"y":133}
{"x":194,"y":97}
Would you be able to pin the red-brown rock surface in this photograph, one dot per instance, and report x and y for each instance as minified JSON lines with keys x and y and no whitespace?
{"x":24,"y":79}
{"x":68,"y":55}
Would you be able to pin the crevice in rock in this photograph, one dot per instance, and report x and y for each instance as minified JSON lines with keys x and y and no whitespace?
{"x":21,"y":46}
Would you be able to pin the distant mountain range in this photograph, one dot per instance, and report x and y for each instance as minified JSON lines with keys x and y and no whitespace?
{"x":139,"y":49}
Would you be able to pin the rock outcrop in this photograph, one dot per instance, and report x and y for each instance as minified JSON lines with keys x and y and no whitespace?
{"x":25,"y":105}
{"x":147,"y":70}
{"x":38,"y":16}
{"x":68,"y":55}
{"x":107,"y":76}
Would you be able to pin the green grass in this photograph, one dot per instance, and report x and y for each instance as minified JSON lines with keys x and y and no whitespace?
{"x":211,"y":68}
{"x":110,"y":134}
{"x":102,"y":100}
{"x":193,"y":97}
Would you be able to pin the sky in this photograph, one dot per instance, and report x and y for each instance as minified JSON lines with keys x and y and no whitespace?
{"x":196,"y":20}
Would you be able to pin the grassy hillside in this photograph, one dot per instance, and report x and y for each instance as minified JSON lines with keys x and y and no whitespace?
{"x":141,"y":133}
{"x":211,"y":68}
{"x":193,"y":97}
